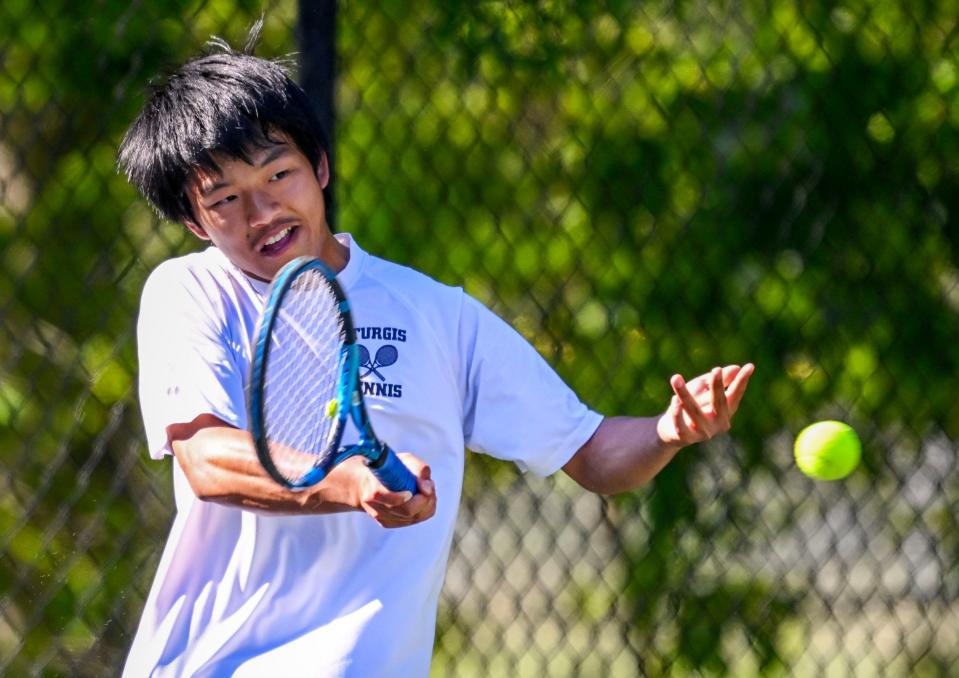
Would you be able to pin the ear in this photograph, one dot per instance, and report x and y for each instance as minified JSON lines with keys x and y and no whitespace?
{"x":196,"y":229}
{"x":323,"y":170}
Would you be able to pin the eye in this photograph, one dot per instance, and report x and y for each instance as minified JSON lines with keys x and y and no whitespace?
{"x":279,"y":175}
{"x":222,"y":201}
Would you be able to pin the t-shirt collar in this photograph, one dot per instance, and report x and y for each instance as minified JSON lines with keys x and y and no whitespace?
{"x":357,"y":261}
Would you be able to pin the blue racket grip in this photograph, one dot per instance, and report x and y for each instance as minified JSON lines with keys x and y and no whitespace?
{"x":393,"y":473}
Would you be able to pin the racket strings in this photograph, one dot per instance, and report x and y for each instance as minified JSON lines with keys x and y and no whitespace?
{"x":302,"y":376}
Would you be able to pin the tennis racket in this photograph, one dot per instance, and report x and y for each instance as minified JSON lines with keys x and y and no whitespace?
{"x":304,"y":383}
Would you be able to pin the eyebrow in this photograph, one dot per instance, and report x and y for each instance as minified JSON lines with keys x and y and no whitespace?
{"x":275,"y":153}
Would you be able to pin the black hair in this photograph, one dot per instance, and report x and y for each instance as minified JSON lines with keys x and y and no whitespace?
{"x":226,"y":102}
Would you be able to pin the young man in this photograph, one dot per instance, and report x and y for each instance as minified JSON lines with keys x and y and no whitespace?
{"x":255,"y":578}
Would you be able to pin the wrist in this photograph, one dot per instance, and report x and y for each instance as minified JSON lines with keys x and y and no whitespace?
{"x":357,"y":475}
{"x":343,"y":486}
{"x":669,"y":442}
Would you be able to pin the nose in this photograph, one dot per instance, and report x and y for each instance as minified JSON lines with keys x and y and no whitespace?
{"x":261,"y":209}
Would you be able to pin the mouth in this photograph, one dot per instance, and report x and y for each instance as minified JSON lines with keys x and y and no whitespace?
{"x":279,"y":241}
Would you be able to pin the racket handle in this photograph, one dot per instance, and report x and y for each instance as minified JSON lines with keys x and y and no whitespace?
{"x":392,"y":472}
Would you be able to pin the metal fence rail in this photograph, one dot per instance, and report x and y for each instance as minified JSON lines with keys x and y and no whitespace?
{"x":639,"y":188}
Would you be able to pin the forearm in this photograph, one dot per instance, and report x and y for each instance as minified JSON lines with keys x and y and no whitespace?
{"x":221,"y":465}
{"x":623,"y":454}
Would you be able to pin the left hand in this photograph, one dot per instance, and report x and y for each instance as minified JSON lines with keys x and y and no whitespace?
{"x":704,"y":407}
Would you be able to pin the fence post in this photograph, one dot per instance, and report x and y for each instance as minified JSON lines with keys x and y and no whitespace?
{"x":316,"y":39}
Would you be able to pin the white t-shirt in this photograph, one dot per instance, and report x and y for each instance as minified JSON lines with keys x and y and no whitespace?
{"x":240,"y":593}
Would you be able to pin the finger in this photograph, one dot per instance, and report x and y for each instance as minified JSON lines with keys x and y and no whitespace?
{"x":417,"y":510}
{"x":737,"y":388}
{"x":424,"y":480}
{"x":680,"y":432}
{"x":423,"y":505}
{"x":685,"y":434}
{"x":425,"y":486}
{"x":720,"y":404}
{"x":424,"y":501}
{"x":692,"y":408}
{"x":688,"y":431}
{"x":729,"y":373}
{"x":422,"y":508}
{"x":422,"y":472}
{"x":389,"y":500}
{"x":383,"y":497}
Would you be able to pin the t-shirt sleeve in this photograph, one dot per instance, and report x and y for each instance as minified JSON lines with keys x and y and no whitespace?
{"x":186,"y":360}
{"x":516,"y":407}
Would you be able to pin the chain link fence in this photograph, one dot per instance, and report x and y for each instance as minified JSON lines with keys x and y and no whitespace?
{"x":641,"y":189}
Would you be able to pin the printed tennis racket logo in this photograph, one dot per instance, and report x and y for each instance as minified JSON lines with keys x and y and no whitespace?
{"x":386,"y":355}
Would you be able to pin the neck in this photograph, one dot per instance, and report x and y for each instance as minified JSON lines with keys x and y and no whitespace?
{"x":335,"y":254}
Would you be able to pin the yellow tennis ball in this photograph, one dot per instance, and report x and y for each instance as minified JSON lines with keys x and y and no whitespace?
{"x":827,"y":450}
{"x":332,"y":407}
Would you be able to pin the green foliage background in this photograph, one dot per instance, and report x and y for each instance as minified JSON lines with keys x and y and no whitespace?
{"x":640,"y":188}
